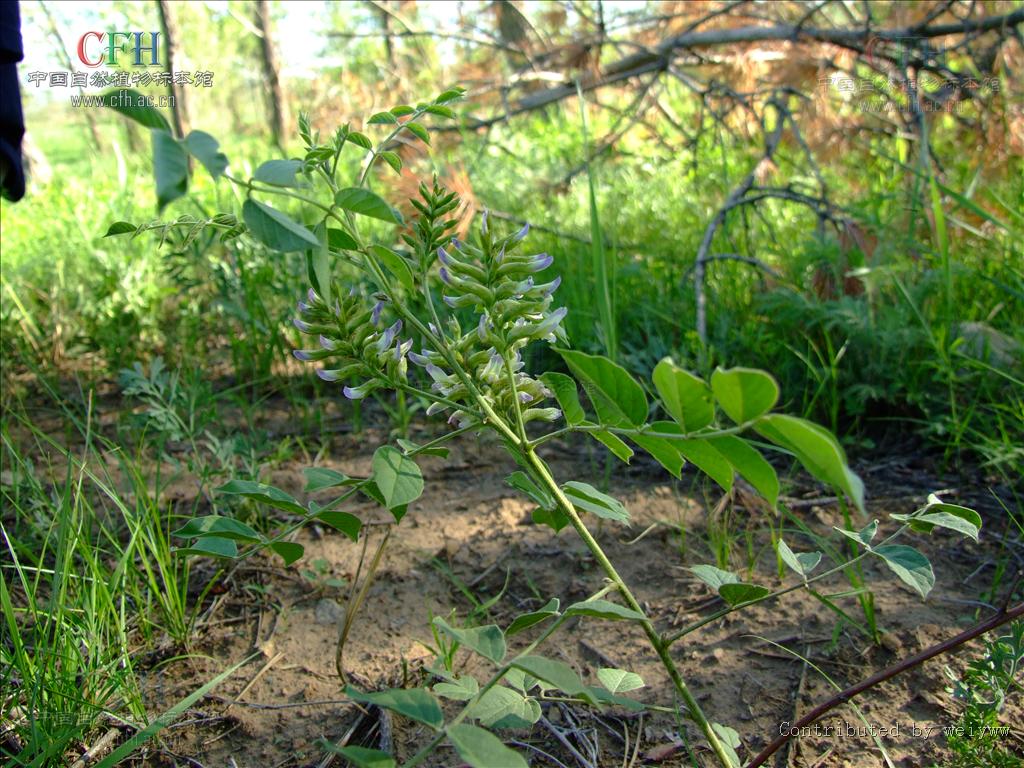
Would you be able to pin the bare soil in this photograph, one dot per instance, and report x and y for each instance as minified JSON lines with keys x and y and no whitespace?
{"x":756,"y":670}
{"x":471,"y":525}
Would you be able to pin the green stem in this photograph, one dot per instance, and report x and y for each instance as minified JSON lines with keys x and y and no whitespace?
{"x":670,"y":639}
{"x":692,"y":705}
{"x":515,"y":398}
{"x":420,"y":756}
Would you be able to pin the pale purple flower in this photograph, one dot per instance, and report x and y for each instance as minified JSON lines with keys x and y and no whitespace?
{"x":460,"y":419}
{"x":483,"y":222}
{"x":302,"y":325}
{"x":550,"y":322}
{"x":327,"y":375}
{"x":302,"y":354}
{"x":550,"y":288}
{"x":436,"y":373}
{"x":358,"y":393}
{"x":522,"y":233}
{"x":402,"y":349}
{"x":442,"y":254}
{"x":445,"y":277}
{"x":421,"y":360}
{"x":377,"y":309}
{"x":540,"y":262}
{"x":327,"y":343}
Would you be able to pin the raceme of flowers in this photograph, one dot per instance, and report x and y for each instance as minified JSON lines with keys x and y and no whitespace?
{"x":492,"y":279}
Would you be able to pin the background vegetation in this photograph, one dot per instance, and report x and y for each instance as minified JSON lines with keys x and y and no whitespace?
{"x":873,"y":258}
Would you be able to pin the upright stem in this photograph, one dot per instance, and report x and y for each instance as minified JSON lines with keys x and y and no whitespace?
{"x":660,"y":647}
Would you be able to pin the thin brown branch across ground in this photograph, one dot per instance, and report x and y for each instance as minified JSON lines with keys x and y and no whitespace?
{"x":1002,"y":617}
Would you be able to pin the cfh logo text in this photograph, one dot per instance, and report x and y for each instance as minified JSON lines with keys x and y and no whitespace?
{"x":98,"y":48}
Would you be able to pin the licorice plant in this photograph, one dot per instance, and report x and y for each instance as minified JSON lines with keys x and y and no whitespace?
{"x":447,"y":321}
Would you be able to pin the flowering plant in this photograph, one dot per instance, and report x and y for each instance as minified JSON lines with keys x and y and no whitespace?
{"x":395,"y":307}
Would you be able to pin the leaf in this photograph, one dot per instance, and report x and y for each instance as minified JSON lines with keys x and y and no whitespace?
{"x":730,"y":740}
{"x":619,"y":680}
{"x":556,"y":673}
{"x":519,"y":680}
{"x":565,"y":393}
{"x":603,"y":696}
{"x":418,"y":131}
{"x":862,"y":537}
{"x":603,"y":609}
{"x":120,"y":228}
{"x":319,"y":265}
{"x":170,"y":168}
{"x":318,"y":478}
{"x":714,"y":577}
{"x":686,"y":397}
{"x":527,"y":620}
{"x":361,"y":757}
{"x":280,"y":173}
{"x":415,"y":703}
{"x":749,"y":464}
{"x":265,"y":494}
{"x":397,"y":477}
{"x":366,"y":203}
{"x":408,"y":447}
{"x":613,"y":443}
{"x":435,"y":109}
{"x":738,"y":594}
{"x":817,"y":450}
{"x":939,"y":514}
{"x":555,"y":518}
{"x":488,"y":641}
{"x":217,"y":525}
{"x":458,"y":689}
{"x":275,"y":229}
{"x":617,"y":398}
{"x":204,"y":148}
{"x":288,"y":550}
{"x":392,"y":159}
{"x":910,"y":565}
{"x":340,"y":240}
{"x":501,"y":705}
{"x":702,"y":453}
{"x":360,"y":140}
{"x":744,"y":393}
{"x":134,"y":106}
{"x":452,"y":94}
{"x":586,"y":496}
{"x":522,"y":482}
{"x":348,"y":524}
{"x":210,"y":546}
{"x":482,"y":749}
{"x":396,"y":265}
{"x":663,"y":451}
{"x":383,"y":118}
{"x":401,"y":110}
{"x":802,"y":563}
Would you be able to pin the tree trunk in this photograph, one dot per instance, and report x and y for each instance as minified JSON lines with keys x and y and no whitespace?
{"x":274,"y":94}
{"x":179,"y":103}
{"x":90,"y":118}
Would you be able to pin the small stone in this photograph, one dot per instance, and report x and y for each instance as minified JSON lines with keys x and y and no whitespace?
{"x":328,"y":612}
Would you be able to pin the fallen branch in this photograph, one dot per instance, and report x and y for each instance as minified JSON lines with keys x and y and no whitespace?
{"x":1002,"y":617}
{"x":659,"y":58}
